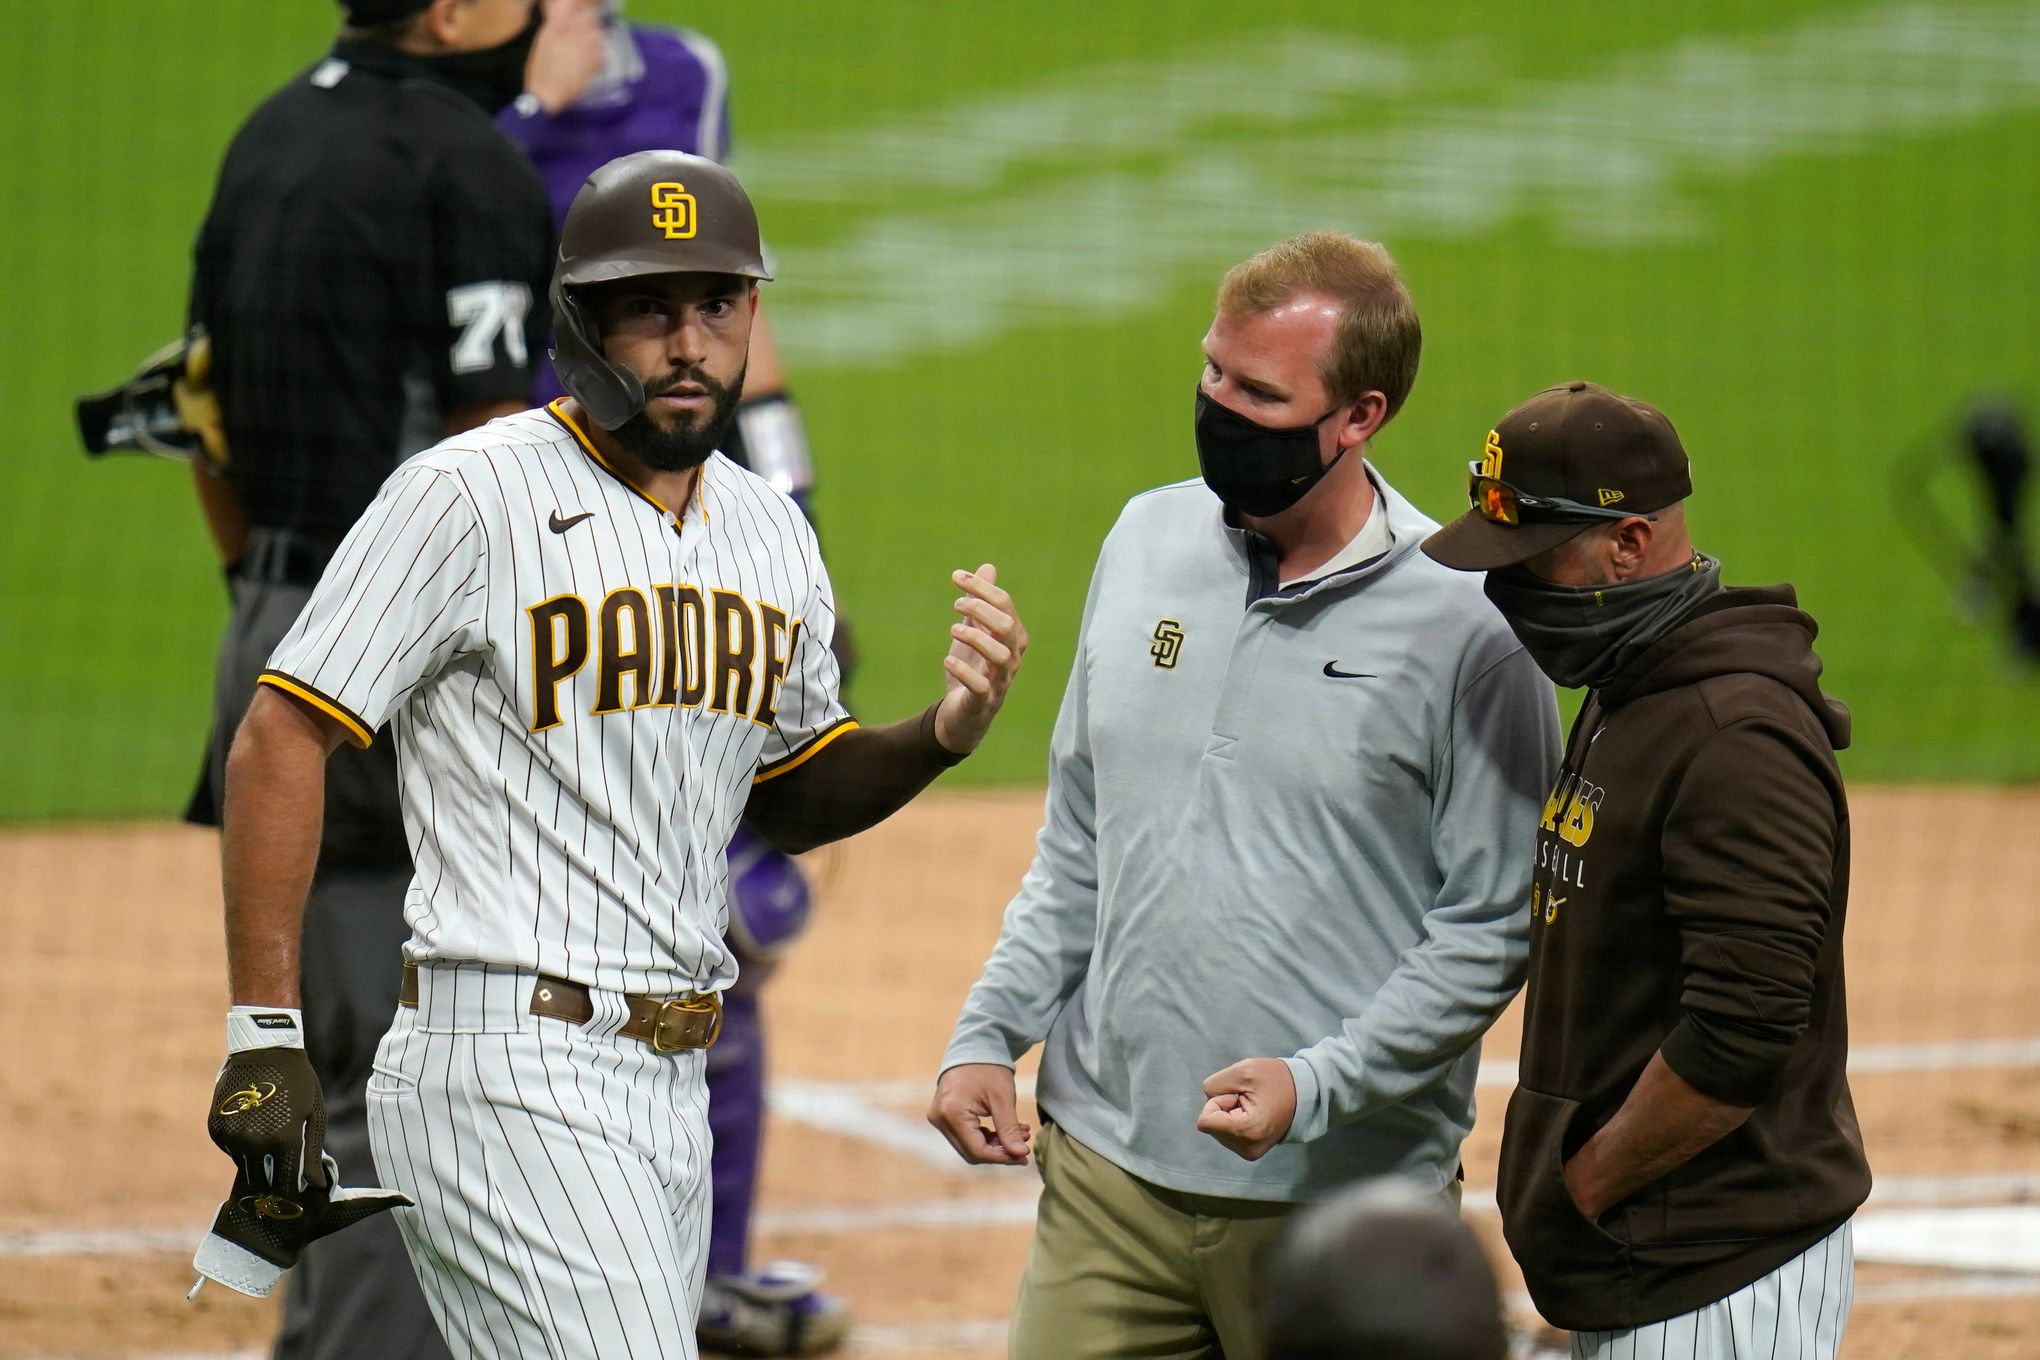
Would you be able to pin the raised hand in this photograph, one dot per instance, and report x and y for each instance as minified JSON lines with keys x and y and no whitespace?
{"x":567,"y":54}
{"x":986,"y":646}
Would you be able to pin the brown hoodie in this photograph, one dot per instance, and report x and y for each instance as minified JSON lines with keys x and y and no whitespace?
{"x":1691,"y":884}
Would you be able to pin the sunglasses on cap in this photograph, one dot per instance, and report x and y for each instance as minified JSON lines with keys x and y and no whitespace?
{"x":1500,"y":503}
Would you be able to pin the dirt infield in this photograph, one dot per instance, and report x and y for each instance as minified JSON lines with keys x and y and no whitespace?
{"x":114,"y":988}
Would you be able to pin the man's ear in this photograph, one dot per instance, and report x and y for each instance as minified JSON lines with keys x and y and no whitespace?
{"x":1629,"y":543}
{"x":1368,"y":414}
{"x":440,"y":24}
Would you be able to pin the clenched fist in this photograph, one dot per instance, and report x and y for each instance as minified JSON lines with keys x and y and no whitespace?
{"x":1250,"y":1106}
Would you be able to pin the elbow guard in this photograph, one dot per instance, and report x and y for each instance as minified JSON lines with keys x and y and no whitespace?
{"x":772,"y":442}
{"x":769,"y":899}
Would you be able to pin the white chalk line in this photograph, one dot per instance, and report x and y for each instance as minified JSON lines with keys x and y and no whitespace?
{"x":1934,"y":1289}
{"x":1996,"y":1238}
{"x":862,"y":1110}
{"x":978,"y":1334}
{"x":1013,"y":1206}
{"x":1941,"y":1055}
{"x":886,"y":1113}
{"x":1954,"y":1055}
{"x":1010,"y":1210}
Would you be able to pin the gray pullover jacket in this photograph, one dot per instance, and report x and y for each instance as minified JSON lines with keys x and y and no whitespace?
{"x":1280,"y":823}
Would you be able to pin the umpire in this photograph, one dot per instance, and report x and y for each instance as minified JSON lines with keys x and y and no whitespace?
{"x":366,"y":272}
{"x":1681,"y":1160}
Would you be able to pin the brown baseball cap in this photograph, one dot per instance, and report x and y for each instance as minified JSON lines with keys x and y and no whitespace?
{"x":1571,"y":457}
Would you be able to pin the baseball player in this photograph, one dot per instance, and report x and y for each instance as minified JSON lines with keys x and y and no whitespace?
{"x":648,"y":88}
{"x":596,"y":643}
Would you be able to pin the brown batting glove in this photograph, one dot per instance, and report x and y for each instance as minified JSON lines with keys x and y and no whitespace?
{"x":267,"y":1111}
{"x":268,"y":1115}
{"x":258,"y":1234}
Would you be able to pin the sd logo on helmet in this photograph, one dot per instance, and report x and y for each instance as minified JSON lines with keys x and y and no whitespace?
{"x":700,"y":221}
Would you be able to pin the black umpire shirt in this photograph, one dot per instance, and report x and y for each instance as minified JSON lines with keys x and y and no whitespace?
{"x":376,"y":257}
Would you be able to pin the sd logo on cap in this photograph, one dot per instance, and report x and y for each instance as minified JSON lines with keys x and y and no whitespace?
{"x":1578,"y":455}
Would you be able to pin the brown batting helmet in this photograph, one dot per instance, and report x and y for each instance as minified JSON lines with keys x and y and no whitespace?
{"x":652,"y":212}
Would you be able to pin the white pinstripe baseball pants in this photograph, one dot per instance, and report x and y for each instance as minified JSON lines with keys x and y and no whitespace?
{"x":1797,"y":1312}
{"x":560,"y":1172}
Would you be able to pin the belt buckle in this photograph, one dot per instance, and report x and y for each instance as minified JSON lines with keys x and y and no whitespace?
{"x":685,"y":1014}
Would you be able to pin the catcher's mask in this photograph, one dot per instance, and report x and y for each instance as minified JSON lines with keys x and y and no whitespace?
{"x":652,"y":212}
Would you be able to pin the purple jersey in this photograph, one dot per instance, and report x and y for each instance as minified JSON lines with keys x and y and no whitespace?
{"x":661,"y":89}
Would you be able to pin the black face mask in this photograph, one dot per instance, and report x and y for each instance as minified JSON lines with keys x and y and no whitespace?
{"x":1583,"y":636}
{"x":1256,"y":470}
{"x":491,"y":76}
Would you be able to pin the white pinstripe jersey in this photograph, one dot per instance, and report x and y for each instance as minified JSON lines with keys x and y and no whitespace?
{"x":583,"y":687}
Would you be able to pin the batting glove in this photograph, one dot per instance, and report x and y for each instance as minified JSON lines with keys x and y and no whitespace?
{"x":268,"y":1115}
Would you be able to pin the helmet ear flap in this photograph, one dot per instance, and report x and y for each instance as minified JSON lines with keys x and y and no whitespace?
{"x":610,"y":394}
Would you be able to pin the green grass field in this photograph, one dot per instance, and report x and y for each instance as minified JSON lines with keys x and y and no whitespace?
{"x":1808,"y":231}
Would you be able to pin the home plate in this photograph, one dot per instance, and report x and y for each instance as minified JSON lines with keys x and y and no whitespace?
{"x":1997,"y":1237}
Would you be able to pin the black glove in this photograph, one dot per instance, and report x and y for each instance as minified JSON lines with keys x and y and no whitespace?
{"x":167,"y":407}
{"x":268,"y":1115}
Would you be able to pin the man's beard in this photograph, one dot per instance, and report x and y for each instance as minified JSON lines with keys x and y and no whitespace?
{"x":682,"y":446}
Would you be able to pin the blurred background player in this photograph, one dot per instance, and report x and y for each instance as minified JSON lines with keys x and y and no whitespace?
{"x":1381,"y":1270}
{"x":1991,"y":571}
{"x":599,"y":88}
{"x":367,"y":274}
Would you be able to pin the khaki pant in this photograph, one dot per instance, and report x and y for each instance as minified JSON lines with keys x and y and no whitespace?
{"x":1120,"y":1267}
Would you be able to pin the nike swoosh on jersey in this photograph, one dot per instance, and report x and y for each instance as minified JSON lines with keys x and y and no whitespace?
{"x":560,"y":526}
{"x":1332,"y":669}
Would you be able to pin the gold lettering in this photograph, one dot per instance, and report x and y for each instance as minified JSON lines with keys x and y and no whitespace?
{"x":559,"y":648}
{"x":670,"y":659}
{"x":623,"y":656}
{"x":776,"y":661}
{"x":692,"y":616}
{"x":736,"y":642}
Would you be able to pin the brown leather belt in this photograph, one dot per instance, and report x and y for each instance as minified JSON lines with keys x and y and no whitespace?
{"x":669,"y":1024}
